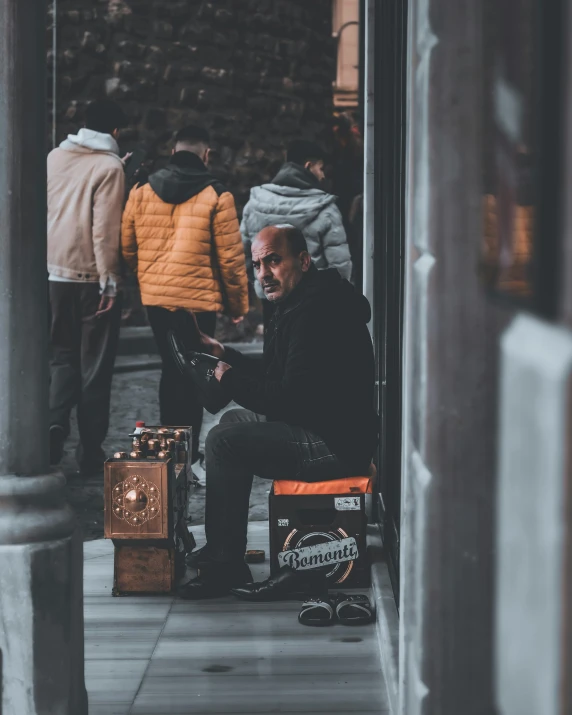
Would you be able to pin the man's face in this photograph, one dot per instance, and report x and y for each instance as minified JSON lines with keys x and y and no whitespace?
{"x":277,"y":270}
{"x":316,"y":168}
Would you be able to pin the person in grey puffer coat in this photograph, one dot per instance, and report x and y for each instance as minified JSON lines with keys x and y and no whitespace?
{"x":294,"y":197}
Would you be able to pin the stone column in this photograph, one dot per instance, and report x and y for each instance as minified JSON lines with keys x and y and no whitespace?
{"x":41,"y":599}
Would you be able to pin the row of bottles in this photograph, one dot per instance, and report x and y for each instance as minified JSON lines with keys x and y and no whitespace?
{"x":158,"y":443}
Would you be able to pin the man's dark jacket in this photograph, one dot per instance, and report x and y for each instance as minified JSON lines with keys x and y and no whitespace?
{"x":317,"y":369}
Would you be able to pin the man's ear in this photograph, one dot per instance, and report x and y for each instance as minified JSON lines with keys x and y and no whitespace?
{"x":207,"y":156}
{"x":115,"y":133}
{"x":308,"y":166}
{"x":305,"y":261}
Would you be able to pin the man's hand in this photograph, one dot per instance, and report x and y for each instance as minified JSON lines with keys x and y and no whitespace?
{"x":105,"y":305}
{"x":211,"y":346}
{"x":221,"y":368}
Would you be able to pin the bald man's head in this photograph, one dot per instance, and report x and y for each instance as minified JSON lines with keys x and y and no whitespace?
{"x":280,"y":259}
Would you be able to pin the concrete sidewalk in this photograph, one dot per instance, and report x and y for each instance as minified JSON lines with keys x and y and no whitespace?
{"x":158,"y":655}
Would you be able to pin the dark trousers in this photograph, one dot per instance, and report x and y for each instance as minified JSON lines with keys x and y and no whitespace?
{"x":83,"y":354}
{"x":178,"y":401}
{"x":243,"y":445}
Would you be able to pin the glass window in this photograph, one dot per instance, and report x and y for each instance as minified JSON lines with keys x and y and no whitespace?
{"x":510,"y":146}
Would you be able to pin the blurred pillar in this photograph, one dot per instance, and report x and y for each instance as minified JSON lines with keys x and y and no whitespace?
{"x":41,"y":600}
{"x":451,"y":355}
{"x":533,"y":634}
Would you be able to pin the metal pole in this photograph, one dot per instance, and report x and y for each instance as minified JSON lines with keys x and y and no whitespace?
{"x":41,"y":599}
{"x":369,"y":163}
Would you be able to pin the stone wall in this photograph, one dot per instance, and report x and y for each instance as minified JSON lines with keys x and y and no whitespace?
{"x":256,"y":72}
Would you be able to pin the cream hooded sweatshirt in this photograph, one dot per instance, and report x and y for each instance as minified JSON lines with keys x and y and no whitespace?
{"x":86,"y":188}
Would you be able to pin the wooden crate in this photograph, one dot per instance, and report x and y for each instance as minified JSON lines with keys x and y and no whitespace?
{"x":145,"y":516}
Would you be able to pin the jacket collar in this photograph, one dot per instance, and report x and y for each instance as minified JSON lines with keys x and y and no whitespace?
{"x":296,"y":176}
{"x":188,"y":160}
{"x":88,"y":140}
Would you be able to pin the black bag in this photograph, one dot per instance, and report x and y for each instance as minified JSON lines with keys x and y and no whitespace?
{"x":200,"y":368}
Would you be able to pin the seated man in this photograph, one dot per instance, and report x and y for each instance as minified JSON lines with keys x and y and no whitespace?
{"x":309,"y":407}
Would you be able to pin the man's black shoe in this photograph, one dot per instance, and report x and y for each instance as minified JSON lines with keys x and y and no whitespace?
{"x":197,"y":557}
{"x":57,"y":440}
{"x":215,"y":580}
{"x":285,"y":583}
{"x":199,"y":370}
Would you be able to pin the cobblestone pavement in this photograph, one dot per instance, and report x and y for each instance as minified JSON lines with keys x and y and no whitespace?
{"x":135,"y":397}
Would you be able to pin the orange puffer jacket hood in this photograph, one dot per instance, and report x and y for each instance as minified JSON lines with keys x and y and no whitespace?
{"x":181,"y":237}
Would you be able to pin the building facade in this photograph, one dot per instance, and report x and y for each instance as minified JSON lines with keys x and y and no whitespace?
{"x":467,"y":172}
{"x":256,"y":73}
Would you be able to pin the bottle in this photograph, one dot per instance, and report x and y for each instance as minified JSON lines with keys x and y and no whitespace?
{"x":153,"y":447}
{"x":139,"y":427}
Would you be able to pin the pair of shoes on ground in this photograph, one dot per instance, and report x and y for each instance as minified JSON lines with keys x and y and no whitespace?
{"x":349,"y":610}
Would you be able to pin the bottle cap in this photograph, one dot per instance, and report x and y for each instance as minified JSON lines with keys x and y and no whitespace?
{"x":139,"y":424}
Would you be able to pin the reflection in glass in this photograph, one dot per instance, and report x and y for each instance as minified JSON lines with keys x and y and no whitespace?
{"x":509,"y":156}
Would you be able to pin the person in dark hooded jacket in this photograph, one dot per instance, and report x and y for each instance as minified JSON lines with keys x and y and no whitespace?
{"x":181,"y":238}
{"x":308,"y":405}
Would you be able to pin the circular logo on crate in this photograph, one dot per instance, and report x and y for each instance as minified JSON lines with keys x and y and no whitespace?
{"x":135,"y":500}
{"x":329,"y":547}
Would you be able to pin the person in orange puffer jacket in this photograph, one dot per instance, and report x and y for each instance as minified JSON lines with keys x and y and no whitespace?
{"x":181,"y":238}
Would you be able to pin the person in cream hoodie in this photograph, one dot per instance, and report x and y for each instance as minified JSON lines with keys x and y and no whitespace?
{"x":86,"y":191}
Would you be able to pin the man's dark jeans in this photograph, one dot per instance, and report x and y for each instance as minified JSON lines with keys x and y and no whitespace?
{"x":83,"y":354}
{"x":178,"y":401}
{"x":243,"y":445}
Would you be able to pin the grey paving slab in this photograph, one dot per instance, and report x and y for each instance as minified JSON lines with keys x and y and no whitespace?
{"x":109,"y":708}
{"x":230,"y":658}
{"x":120,"y":612}
{"x":256,"y":694}
{"x":160,"y":711}
{"x":240,"y":621}
{"x":113,"y":682}
{"x":263,"y":655}
{"x":135,"y":641}
{"x":96,"y":549}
